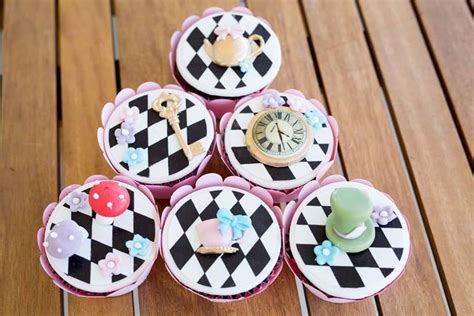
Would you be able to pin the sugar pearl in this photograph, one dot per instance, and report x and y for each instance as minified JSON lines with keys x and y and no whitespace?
{"x":76,"y":200}
{"x":110,"y":264}
{"x":134,"y":156}
{"x":383,"y":214}
{"x":326,"y":252}
{"x":137,"y":245}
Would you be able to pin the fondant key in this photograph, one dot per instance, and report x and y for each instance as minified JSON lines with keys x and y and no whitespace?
{"x":170,"y":113}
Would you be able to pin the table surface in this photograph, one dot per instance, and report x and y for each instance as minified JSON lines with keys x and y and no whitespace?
{"x":397,"y":75}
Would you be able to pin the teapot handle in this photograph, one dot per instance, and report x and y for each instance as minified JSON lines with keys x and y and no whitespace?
{"x":261,"y":44}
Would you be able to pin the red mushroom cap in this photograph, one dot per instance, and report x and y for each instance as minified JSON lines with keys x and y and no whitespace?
{"x":109,"y":198}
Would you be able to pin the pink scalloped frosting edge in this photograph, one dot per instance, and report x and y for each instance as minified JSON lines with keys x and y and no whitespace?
{"x":290,"y":211}
{"x":279,"y":195}
{"x":160,"y":191}
{"x":219,"y":106}
{"x":66,"y":286}
{"x":213,"y":179}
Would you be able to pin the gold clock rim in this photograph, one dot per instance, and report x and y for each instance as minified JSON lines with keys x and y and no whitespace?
{"x":273,"y":161}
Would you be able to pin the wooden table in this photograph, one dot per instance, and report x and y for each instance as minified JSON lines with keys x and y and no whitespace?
{"x":397,"y":75}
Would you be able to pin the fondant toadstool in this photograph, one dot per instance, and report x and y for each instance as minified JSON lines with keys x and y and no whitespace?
{"x":108,"y":199}
{"x":65,"y":239}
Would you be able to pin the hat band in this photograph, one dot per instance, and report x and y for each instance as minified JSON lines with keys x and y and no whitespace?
{"x":355,"y":233}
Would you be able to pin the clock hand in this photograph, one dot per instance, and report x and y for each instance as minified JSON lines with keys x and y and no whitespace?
{"x":280,"y":131}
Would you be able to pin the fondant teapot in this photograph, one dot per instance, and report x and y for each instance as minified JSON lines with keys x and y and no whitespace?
{"x":231,"y":47}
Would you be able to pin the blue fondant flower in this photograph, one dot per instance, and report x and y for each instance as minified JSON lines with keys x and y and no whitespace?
{"x":238,"y":223}
{"x":77,"y":201}
{"x":272,"y":100}
{"x":315,"y":118}
{"x":125,"y":134}
{"x":138,"y":246}
{"x":245,"y":65}
{"x":325,"y":253}
{"x":134,"y":156}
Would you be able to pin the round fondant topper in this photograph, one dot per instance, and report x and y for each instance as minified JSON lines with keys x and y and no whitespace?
{"x":279,"y":137}
{"x":350,"y":226}
{"x":108,"y":199}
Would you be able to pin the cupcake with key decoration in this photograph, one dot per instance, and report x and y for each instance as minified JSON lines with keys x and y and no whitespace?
{"x":345,"y":240}
{"x":279,"y":141}
{"x":101,"y":238}
{"x":160,"y":137}
{"x":222,"y":239}
{"x":225,"y":55}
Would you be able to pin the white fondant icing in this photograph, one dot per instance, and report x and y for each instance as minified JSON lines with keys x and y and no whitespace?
{"x":355,"y":233}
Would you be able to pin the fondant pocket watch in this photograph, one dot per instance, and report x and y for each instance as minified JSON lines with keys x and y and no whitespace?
{"x":279,"y":137}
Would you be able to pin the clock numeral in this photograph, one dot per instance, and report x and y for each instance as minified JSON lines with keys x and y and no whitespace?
{"x":261,"y":124}
{"x":296,"y":140}
{"x":298,"y":131}
{"x":262,"y":140}
{"x":287,"y":117}
{"x":269,"y":117}
{"x":278,"y":115}
{"x":269,"y":147}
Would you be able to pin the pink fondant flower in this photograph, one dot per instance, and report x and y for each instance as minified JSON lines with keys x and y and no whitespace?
{"x":222,"y":31}
{"x":129,"y":115}
{"x":296,"y":104}
{"x":110,"y":265}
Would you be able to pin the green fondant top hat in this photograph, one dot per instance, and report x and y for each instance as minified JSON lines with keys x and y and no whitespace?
{"x":349,"y":226}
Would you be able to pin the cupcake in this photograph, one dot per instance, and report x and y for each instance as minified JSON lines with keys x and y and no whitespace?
{"x":101,"y":238}
{"x":346,"y":241}
{"x":222,"y":239}
{"x":279,"y":141}
{"x":160,"y":137}
{"x":224,"y":56}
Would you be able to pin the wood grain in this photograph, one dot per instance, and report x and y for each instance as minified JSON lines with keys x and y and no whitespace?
{"x":143,"y":51}
{"x":368,"y":143}
{"x":28,"y":147}
{"x":449,"y":27}
{"x":87,"y":83}
{"x":410,"y":79}
{"x":298,"y":72}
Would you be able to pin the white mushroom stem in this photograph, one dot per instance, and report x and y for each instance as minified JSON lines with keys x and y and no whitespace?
{"x":104,"y":220}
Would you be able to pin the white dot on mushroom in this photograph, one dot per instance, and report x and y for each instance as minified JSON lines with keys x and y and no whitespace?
{"x":109,"y":204}
{"x":45,"y":244}
{"x":121,"y":196}
{"x":95,"y":196}
{"x":54,"y":235}
{"x":71,"y":237}
{"x":60,"y":250}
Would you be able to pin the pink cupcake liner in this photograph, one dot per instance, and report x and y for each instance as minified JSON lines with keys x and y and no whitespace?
{"x":279,"y":196}
{"x":159,"y":191}
{"x":288,"y":214}
{"x":56,"y":277}
{"x":219,"y":106}
{"x":213,"y":179}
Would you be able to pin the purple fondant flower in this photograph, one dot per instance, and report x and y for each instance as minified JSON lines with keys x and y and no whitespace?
{"x":110,"y":265}
{"x":272,"y":100}
{"x":125,"y":134}
{"x":325,"y":253}
{"x":296,"y":104}
{"x":383,"y":215}
{"x":77,"y":201}
{"x":129,"y":115}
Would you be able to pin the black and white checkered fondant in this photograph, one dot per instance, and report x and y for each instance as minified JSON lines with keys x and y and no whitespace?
{"x":81,"y":270}
{"x":164,"y":158}
{"x":279,"y":178}
{"x":197,"y":69}
{"x":355,"y":275}
{"x":225,"y":274}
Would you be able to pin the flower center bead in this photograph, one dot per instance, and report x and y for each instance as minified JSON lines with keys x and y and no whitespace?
{"x":134,"y":156}
{"x":137,"y":245}
{"x":75,"y":200}
{"x":383,"y":214}
{"x":110,"y":264}
{"x":125,"y":132}
{"x":326,"y":252}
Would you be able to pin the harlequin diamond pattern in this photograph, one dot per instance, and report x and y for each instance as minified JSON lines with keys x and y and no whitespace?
{"x":223,"y":270}
{"x":351,"y":270}
{"x":163,"y":154}
{"x":103,"y":239}
{"x":239,"y":123}
{"x":200,"y":66}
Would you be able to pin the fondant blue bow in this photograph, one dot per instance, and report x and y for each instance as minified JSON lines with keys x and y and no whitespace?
{"x":238,"y":223}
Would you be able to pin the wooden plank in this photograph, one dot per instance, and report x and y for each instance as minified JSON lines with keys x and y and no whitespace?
{"x":298,"y":71}
{"x":143,"y":53}
{"x":449,"y":27}
{"x":28,"y":147}
{"x":410,"y":79}
{"x":87,"y":83}
{"x":368,"y":144}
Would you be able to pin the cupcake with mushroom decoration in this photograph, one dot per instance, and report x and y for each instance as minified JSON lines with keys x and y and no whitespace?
{"x":101,"y":238}
{"x":225,"y":55}
{"x":160,"y":137}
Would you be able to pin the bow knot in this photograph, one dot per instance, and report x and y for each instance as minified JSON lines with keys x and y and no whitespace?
{"x":222,"y":31}
{"x":238,"y":223}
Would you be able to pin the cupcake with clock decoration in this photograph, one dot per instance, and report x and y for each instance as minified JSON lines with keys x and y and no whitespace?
{"x":279,"y":141}
{"x":101,"y":238}
{"x":225,"y":55}
{"x":162,"y":137}
{"x":345,"y":240}
{"x":222,"y":239}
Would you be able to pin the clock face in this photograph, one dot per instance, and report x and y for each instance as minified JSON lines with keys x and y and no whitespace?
{"x":279,"y":137}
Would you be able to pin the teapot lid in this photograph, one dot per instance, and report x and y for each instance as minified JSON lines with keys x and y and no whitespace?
{"x":195,"y":68}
